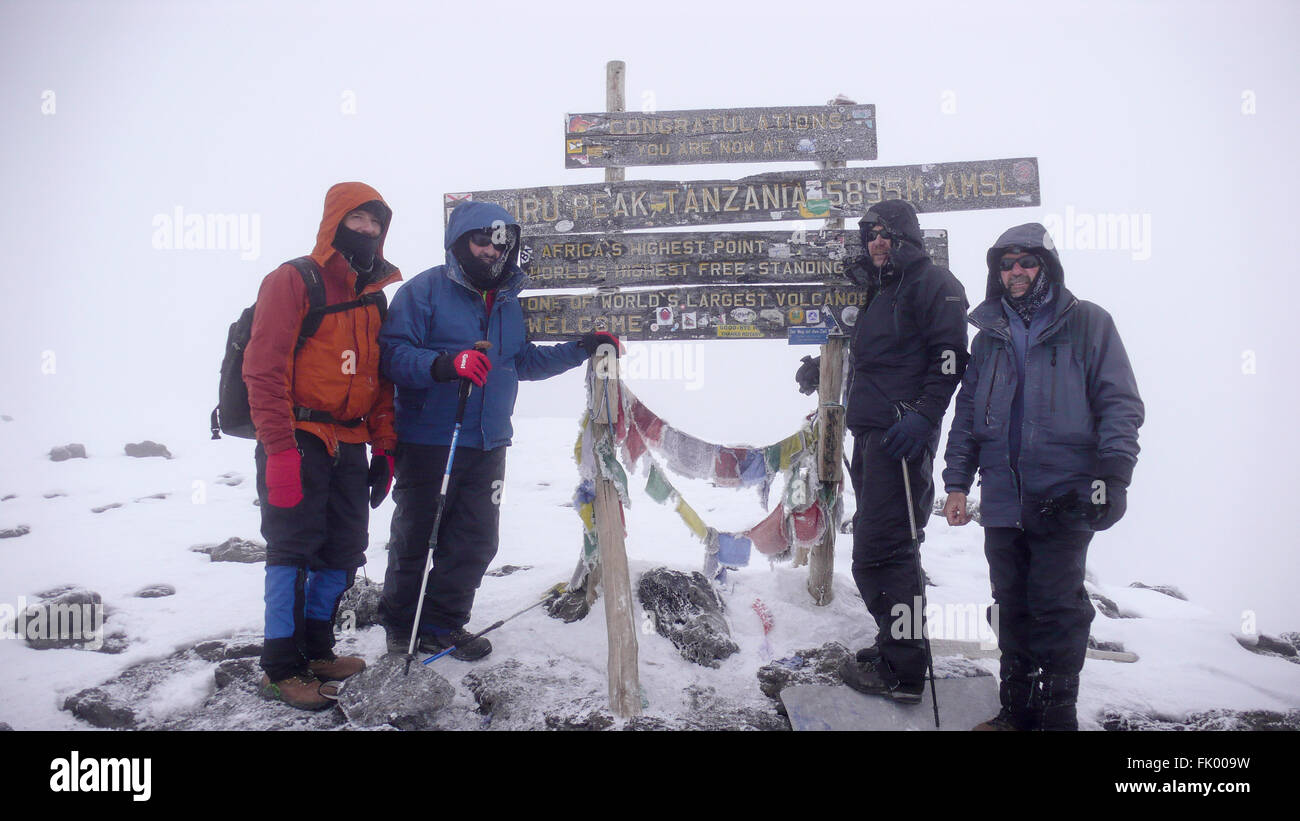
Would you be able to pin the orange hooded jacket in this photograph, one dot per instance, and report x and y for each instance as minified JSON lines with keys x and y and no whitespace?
{"x":337,"y":370}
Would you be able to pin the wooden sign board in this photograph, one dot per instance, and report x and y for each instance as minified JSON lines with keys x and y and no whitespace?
{"x":730,"y":312}
{"x":797,"y":133}
{"x":784,"y":195}
{"x":721,"y":258}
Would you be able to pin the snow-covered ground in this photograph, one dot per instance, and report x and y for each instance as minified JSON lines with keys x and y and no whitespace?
{"x":1189,"y":660}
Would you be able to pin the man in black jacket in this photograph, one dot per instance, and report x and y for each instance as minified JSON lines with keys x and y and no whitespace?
{"x":909,"y":351}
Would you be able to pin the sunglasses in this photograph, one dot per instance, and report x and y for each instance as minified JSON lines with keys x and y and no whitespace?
{"x":873,"y":234}
{"x":1029,"y":262}
{"x":484,"y":238}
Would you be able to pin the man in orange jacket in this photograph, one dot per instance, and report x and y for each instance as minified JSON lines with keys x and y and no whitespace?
{"x":315,"y":402}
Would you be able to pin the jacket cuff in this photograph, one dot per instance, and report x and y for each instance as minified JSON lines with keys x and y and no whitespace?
{"x":965,"y":491}
{"x":1116,"y":468}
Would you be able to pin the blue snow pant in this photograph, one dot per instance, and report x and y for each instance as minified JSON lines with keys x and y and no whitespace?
{"x":467,"y":536}
{"x":313,"y":550}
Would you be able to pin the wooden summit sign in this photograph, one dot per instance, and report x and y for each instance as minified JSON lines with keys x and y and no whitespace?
{"x":622,"y":138}
{"x":718,"y":258}
{"x":731,"y":312}
{"x":784,"y":195}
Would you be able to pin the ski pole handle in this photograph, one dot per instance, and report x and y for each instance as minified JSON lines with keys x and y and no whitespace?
{"x":464,"y":397}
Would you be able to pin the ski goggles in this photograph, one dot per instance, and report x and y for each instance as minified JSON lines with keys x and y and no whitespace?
{"x":1029,"y":262}
{"x":484,"y":238}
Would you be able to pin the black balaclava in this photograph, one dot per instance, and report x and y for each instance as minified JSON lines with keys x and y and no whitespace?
{"x":1039,"y":290}
{"x":482,"y":276}
{"x":358,"y":249}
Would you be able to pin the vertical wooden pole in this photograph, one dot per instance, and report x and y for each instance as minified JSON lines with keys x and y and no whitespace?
{"x":830,"y":435}
{"x":624,"y":681}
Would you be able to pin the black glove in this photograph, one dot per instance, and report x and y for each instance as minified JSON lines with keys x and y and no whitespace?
{"x":809,"y":375}
{"x":592,"y":341}
{"x":1115,"y":506}
{"x":380,"y":478}
{"x":908,"y":438}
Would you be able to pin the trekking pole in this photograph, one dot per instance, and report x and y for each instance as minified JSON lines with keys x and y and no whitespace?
{"x":437,"y":520}
{"x":551,"y":594}
{"x":920,"y":580}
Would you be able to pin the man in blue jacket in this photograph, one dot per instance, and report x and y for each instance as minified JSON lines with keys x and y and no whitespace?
{"x":1048,"y":413}
{"x":427,"y":347}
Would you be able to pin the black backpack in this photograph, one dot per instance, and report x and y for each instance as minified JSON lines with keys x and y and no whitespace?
{"x":232,"y":416}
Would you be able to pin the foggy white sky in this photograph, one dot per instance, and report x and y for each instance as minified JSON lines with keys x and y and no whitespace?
{"x":1131,"y":108}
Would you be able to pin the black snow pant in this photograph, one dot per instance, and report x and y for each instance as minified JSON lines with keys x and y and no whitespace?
{"x":1042,"y":620}
{"x":312,"y":552}
{"x":467,"y":537}
{"x":885,"y":566}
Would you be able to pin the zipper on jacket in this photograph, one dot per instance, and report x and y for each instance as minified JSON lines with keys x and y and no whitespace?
{"x":1053,"y":406}
{"x":988,"y":405}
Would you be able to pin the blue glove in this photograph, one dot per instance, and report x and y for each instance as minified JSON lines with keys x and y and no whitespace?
{"x":908,"y":438}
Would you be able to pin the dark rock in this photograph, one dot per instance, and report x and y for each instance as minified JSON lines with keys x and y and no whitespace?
{"x":15,"y":532}
{"x":513,"y":696}
{"x":102,"y":508}
{"x":54,"y":494}
{"x":234,"y":549}
{"x":596,"y":720}
{"x":359,"y":606}
{"x":507,"y":569}
{"x":155,"y":591}
{"x":65,"y":452}
{"x":385,"y":693}
{"x":55,"y":592}
{"x":1249,"y":720}
{"x":648,"y":723}
{"x":224,"y":649}
{"x":570,"y":607}
{"x":230,"y":479}
{"x":1107,"y":607}
{"x":246,"y":671}
{"x":1286,"y":646}
{"x":1108,"y":646}
{"x":6,"y":418}
{"x":147,"y":448}
{"x":1168,"y":590}
{"x":8,"y":497}
{"x":709,"y":711}
{"x":152,"y":496}
{"x":687,"y":611}
{"x":73,"y":617}
{"x":5,"y":728}
{"x":97,"y":707}
{"x":820,"y":665}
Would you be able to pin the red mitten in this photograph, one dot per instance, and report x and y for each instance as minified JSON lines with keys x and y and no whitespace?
{"x":284,"y":478}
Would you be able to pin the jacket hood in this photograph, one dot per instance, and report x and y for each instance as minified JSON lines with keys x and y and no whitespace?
{"x":1034,"y":239}
{"x":469,"y":216}
{"x":340,"y":200}
{"x":899,"y":217}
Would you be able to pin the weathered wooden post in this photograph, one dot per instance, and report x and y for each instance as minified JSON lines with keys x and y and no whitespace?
{"x":624,"y":681}
{"x":830,"y":435}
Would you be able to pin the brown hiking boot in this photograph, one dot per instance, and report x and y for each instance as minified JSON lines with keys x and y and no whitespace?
{"x":337,"y":668}
{"x":303,"y":691}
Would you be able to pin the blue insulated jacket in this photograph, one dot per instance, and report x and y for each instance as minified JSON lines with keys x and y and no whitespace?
{"x":1081,"y":409}
{"x":437,"y":312}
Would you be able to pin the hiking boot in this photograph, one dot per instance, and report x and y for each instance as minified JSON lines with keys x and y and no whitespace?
{"x":303,"y":691}
{"x":467,"y":647}
{"x":868,"y":655}
{"x":1004,"y":721}
{"x":877,"y":680}
{"x":337,"y":668}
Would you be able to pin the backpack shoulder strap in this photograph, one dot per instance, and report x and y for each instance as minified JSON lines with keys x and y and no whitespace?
{"x":310,"y":273}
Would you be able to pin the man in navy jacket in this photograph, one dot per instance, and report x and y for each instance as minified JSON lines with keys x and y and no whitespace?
{"x":428,"y":346}
{"x":1048,"y":413}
